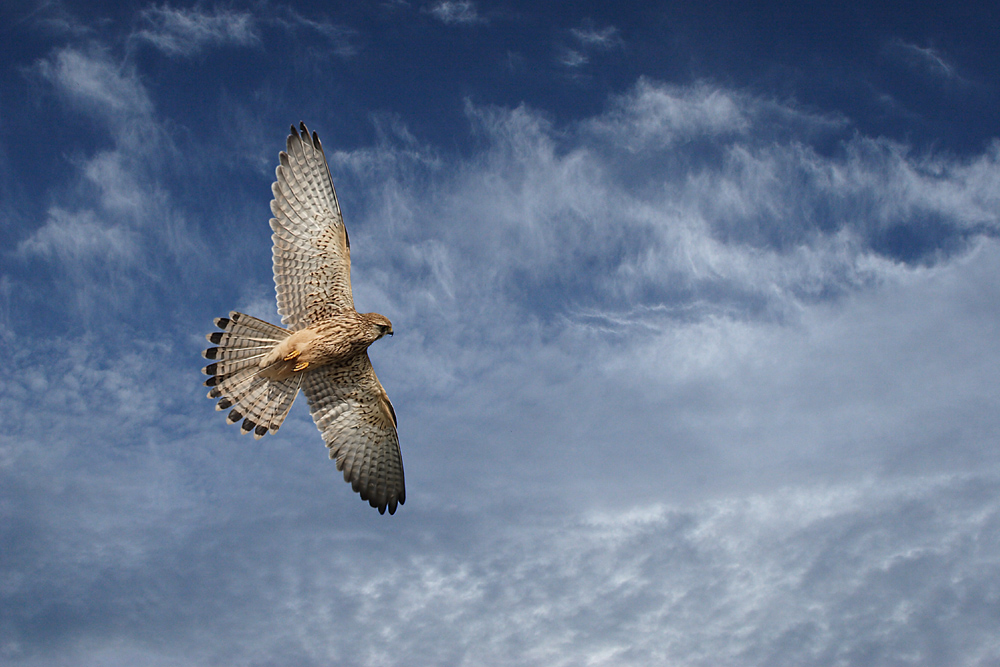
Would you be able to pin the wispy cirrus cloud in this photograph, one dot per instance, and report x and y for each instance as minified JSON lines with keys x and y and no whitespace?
{"x":589,"y":39}
{"x":188,"y":32}
{"x":652,"y":114}
{"x":57,"y":18}
{"x":99,"y":233}
{"x":456,"y":12}
{"x":91,"y":79}
{"x":68,"y":238}
{"x":160,"y":538}
{"x":684,"y":254}
{"x":342,"y":40}
{"x":929,"y":62}
{"x":571,"y":57}
{"x":680,"y":197}
{"x":590,"y":36}
{"x":721,"y":372}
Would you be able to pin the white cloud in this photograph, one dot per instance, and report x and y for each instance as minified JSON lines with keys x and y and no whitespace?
{"x":340,"y":38}
{"x":609,"y":282}
{"x":675,"y":205}
{"x":107,"y":232}
{"x":664,"y":397}
{"x":572,"y":58}
{"x":590,"y":36}
{"x":72,"y":237}
{"x":653,"y":115}
{"x":187,"y":32}
{"x":95,"y":268}
{"x":121,"y":191}
{"x":925,"y":60}
{"x":650,"y":320}
{"x":176,"y":536}
{"x":720,"y":195}
{"x":56,"y":18}
{"x":456,"y":12}
{"x":92,"y":81}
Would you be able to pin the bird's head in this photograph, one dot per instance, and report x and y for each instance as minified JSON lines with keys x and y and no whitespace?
{"x":380,"y":325}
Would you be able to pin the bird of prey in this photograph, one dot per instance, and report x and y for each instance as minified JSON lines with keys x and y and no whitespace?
{"x":258,"y":368}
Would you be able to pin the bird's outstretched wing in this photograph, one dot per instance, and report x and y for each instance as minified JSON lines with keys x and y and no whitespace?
{"x":358,"y":424}
{"x":312,"y":253}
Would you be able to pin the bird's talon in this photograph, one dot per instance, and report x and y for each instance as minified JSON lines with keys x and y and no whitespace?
{"x":301,"y":366}
{"x":291,"y":355}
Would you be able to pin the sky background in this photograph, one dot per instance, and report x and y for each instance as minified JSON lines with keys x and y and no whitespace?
{"x":696,"y":312}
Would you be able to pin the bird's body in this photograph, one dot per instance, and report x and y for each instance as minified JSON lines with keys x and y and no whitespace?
{"x":333,"y":341}
{"x":259,"y":367}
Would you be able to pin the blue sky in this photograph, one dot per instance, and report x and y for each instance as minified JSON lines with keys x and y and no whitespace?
{"x":696,"y":315}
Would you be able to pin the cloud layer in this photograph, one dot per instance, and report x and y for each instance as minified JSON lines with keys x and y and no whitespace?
{"x":181,"y":32}
{"x":704,"y":377}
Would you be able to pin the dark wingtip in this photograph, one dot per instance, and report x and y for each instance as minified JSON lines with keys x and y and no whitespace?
{"x":225,"y":404}
{"x":234,"y":416}
{"x":212,"y":381}
{"x":222,"y":322}
{"x":211,"y":353}
{"x":260,"y":431}
{"x":210,"y":369}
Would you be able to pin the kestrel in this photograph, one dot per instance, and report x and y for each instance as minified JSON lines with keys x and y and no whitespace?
{"x":258,"y":367}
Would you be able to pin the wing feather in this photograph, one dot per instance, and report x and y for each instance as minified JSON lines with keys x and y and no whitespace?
{"x":353,"y":412}
{"x":312,"y":256}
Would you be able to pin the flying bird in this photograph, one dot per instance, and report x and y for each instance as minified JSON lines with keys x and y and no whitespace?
{"x":258,"y":368}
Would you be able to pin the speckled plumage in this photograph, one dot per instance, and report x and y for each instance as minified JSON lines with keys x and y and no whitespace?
{"x":259,"y":367}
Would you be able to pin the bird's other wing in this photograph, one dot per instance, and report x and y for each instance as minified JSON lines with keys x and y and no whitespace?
{"x":358,"y":424}
{"x":312,"y":253}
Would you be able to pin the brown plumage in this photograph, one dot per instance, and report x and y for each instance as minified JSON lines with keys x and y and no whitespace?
{"x":258,"y":367}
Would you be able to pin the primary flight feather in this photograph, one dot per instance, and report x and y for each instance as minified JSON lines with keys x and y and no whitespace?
{"x":258,"y":367}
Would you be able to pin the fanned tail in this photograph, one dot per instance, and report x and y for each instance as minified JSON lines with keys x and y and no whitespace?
{"x":261,"y":403}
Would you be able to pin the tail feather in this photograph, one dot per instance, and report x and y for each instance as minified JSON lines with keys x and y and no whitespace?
{"x":225,"y":339}
{"x":238,"y":389}
{"x":262,"y":404}
{"x":233,"y":364}
{"x":276,"y":410}
{"x":234,"y":353}
{"x":251,"y":327}
{"x":239,"y":330}
{"x":256,"y":403}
